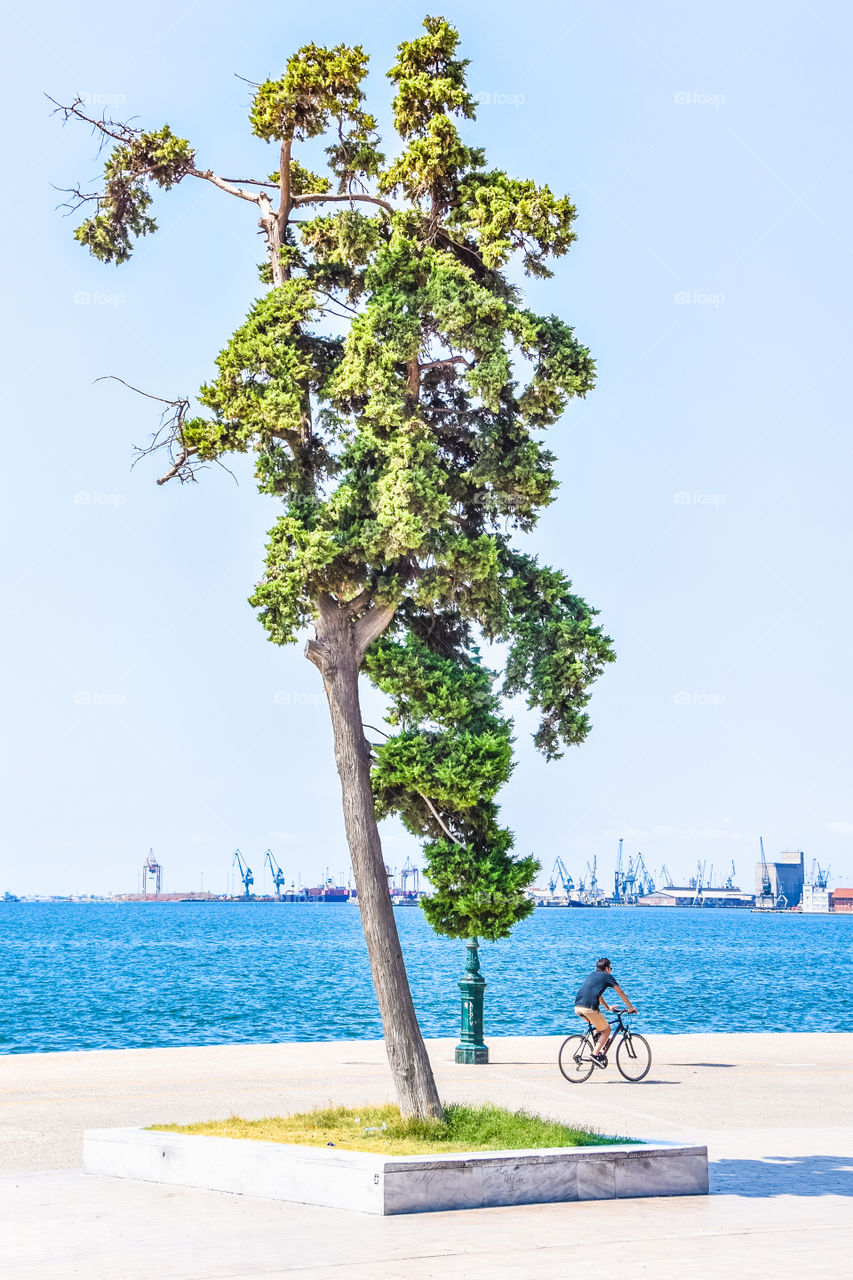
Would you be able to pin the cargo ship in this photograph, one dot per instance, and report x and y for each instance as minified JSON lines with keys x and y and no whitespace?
{"x":328,"y":891}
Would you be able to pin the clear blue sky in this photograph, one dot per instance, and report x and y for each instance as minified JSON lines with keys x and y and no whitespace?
{"x":705,"y":502}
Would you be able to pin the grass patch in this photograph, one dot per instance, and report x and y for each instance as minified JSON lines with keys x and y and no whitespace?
{"x":383,"y":1129}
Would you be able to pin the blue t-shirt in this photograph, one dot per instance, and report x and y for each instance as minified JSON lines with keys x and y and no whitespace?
{"x":593,"y":988}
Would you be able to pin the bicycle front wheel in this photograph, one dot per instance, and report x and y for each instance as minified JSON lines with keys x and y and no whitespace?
{"x":633,"y":1057}
{"x":575,"y":1059}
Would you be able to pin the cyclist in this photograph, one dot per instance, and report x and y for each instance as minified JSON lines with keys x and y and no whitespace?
{"x":591,"y":996}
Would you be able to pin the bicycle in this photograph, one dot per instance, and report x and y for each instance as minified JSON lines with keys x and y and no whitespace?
{"x":577,"y":1059}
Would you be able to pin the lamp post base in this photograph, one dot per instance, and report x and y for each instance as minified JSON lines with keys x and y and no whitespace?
{"x":472,"y":1053}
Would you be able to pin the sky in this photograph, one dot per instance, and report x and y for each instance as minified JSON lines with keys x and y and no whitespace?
{"x":705,"y":483}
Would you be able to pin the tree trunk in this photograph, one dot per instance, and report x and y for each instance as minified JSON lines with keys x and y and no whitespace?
{"x":338,"y":650}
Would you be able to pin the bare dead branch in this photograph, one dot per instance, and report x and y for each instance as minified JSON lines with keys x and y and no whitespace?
{"x":365,"y":725}
{"x":117,"y":130}
{"x":323,"y":197}
{"x":112,"y":377}
{"x":125,"y":133}
{"x":209,"y":176}
{"x":437,"y":817}
{"x":451,"y":360}
{"x":77,"y":198}
{"x":337,"y":302}
{"x":169,"y":436}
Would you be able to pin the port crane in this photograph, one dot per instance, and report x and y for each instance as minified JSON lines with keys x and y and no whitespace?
{"x":275,"y":869}
{"x":821,"y":879}
{"x":561,"y":875}
{"x":730,"y":879}
{"x":618,"y":885}
{"x":409,"y":872}
{"x":697,"y":882}
{"x":593,"y":879}
{"x":766,"y":901}
{"x":245,"y":873}
{"x":766,"y":888}
{"x":645,"y":881}
{"x":151,"y":867}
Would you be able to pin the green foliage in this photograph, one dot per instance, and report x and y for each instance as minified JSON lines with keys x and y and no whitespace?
{"x":509,"y":215}
{"x":319,"y":87}
{"x":159,"y":158}
{"x":440,"y":773}
{"x":395,"y":393}
{"x":556,"y":649}
{"x":303,"y":181}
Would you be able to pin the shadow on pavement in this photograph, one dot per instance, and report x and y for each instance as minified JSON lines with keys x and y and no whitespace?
{"x":783,"y":1176}
{"x":641,"y":1083}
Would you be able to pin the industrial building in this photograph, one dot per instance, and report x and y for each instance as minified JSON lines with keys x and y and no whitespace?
{"x":779,"y":883}
{"x":816,"y":899}
{"x":842,"y":900}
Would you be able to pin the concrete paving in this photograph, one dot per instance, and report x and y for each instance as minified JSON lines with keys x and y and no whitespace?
{"x":775,"y":1110}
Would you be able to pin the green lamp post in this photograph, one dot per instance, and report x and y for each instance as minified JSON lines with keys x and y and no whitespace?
{"x":472,"y":985}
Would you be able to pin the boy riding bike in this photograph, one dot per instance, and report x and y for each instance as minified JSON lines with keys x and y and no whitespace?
{"x":591,"y":996}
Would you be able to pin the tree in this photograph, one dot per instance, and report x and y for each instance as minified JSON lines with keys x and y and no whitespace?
{"x":393,"y":388}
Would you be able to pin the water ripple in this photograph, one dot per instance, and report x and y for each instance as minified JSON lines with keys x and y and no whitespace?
{"x":115,"y":976}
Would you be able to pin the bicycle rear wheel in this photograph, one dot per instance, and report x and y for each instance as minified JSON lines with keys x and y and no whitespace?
{"x":575,"y":1059}
{"x":633,"y":1057}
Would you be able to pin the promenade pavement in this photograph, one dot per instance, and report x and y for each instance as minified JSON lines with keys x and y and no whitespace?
{"x":776,"y":1112}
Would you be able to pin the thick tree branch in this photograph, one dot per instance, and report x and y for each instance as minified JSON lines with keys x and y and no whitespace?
{"x":359,"y":602}
{"x":181,"y":467}
{"x":370,"y":626}
{"x":251,"y":182}
{"x":322,"y":197}
{"x":285,"y":201}
{"x":210,"y":176}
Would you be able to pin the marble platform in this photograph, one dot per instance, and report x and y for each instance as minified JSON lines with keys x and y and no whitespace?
{"x":373,"y":1183}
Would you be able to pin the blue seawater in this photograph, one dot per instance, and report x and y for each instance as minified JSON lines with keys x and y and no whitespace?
{"x":138,"y":975}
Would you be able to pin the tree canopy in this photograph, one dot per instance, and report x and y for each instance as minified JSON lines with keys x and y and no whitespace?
{"x":395,"y":391}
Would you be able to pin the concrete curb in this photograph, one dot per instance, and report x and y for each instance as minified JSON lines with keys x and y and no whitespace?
{"x":371,"y":1183}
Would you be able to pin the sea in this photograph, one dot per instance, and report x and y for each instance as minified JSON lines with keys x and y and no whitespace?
{"x":77,"y":976}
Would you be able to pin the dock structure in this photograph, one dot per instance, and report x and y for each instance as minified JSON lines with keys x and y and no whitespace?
{"x":693,"y":896}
